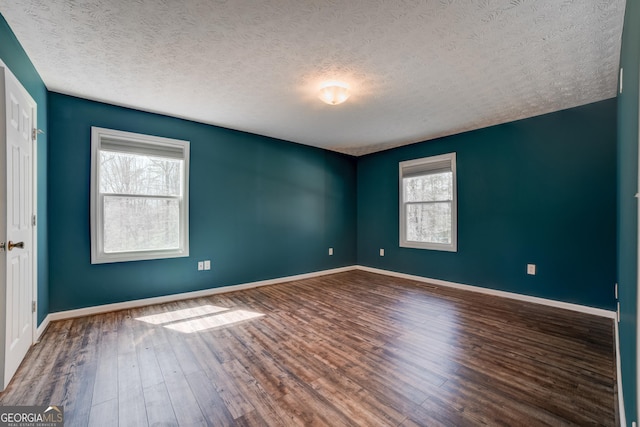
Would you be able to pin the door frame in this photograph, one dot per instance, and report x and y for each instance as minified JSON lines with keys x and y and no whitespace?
{"x":637,"y":361}
{"x":34,"y":204}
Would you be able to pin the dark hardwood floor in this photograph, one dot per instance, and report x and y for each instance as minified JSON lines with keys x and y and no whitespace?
{"x":347,"y":349}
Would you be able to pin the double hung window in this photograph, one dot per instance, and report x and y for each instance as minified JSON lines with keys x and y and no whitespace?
{"x":428,"y":199}
{"x":139,"y":197}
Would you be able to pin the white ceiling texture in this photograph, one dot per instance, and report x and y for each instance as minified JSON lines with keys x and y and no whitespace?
{"x":416,"y":70}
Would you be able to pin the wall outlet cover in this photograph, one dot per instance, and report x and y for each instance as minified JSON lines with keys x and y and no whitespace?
{"x":200,"y":265}
{"x":381,"y":252}
{"x":207,"y":265}
{"x":531,"y":269}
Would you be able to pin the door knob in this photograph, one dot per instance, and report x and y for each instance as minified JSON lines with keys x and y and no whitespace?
{"x":11,"y":245}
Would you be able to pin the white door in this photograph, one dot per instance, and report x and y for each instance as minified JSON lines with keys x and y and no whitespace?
{"x":19,"y":243}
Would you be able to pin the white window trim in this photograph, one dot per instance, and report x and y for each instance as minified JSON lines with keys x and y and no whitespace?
{"x":98,"y":256}
{"x":404,"y":243}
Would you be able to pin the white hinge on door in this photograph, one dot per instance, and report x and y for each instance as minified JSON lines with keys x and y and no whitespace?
{"x":33,"y":220}
{"x":33,"y":306}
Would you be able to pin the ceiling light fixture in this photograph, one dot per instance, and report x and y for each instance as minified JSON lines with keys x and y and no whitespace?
{"x":334,"y":93}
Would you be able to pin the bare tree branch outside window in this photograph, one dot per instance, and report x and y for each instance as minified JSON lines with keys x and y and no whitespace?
{"x":428,"y":201}
{"x":140,"y":201}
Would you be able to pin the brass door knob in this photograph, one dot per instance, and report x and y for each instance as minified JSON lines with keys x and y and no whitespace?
{"x":12,"y":245}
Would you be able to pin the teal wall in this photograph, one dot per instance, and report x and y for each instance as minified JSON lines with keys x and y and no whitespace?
{"x":14,"y":57}
{"x":259,"y":208}
{"x":540,"y":190}
{"x":628,"y":206}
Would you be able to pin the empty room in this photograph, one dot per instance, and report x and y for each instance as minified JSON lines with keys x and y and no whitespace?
{"x":293,"y":213}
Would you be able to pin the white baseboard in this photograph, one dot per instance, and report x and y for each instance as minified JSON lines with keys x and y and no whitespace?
{"x":623,"y":416}
{"x":87,"y":311}
{"x":559,"y":304}
{"x":68,"y":314}
{"x":536,"y":300}
{"x":42,"y":327}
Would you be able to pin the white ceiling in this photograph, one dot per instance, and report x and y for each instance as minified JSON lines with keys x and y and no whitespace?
{"x":417,"y":69}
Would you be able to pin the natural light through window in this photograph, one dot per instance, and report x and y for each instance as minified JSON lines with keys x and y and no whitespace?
{"x":148,"y":217}
{"x":428,"y":203}
{"x":139,"y":197}
{"x":429,"y":199}
{"x":200,"y":318}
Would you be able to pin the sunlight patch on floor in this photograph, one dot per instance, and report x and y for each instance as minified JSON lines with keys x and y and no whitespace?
{"x":214,"y":321}
{"x":200,"y":318}
{"x":186,"y":313}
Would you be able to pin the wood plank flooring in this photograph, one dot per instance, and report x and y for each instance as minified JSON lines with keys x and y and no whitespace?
{"x":347,"y":349}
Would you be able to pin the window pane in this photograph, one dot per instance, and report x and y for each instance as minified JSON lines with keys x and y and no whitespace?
{"x":429,"y":223}
{"x":136,"y":224}
{"x":126,"y":173}
{"x":429,"y":188}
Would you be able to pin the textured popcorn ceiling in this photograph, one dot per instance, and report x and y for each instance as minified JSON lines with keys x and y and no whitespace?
{"x":417,"y":69}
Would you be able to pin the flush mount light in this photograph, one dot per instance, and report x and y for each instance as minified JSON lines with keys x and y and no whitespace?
{"x":334,"y":93}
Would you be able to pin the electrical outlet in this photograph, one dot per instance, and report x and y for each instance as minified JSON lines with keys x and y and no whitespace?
{"x":207,"y":264}
{"x":381,"y":252}
{"x":531,"y":269}
{"x":330,"y":251}
{"x":200,"y":265}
